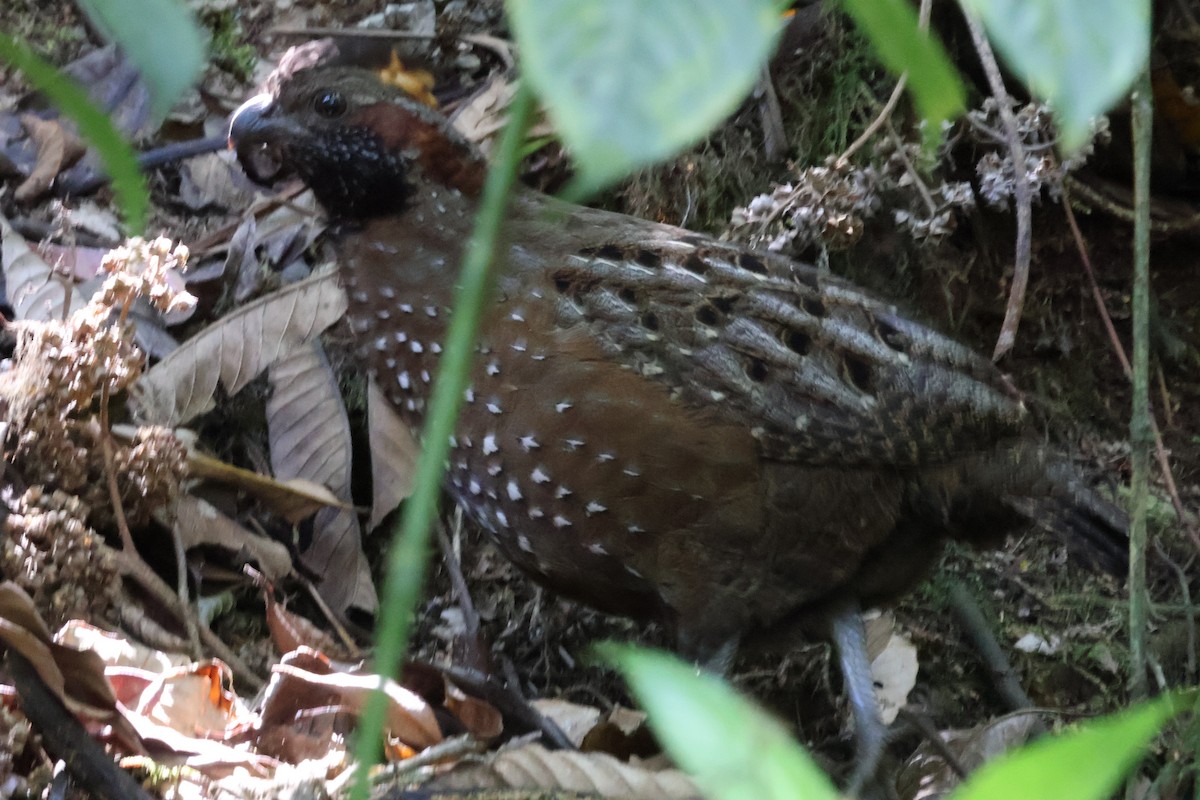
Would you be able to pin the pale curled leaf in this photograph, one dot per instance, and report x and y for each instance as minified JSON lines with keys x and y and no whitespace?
{"x":35,"y":289}
{"x":233,"y":351}
{"x":535,"y":767}
{"x":393,"y":455}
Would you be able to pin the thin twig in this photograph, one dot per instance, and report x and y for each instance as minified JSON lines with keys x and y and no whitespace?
{"x":890,"y":106}
{"x":1093,"y":196}
{"x":1022,"y":192}
{"x":1160,"y":450}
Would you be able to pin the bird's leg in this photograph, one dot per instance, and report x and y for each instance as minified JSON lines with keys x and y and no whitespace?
{"x":850,"y":639}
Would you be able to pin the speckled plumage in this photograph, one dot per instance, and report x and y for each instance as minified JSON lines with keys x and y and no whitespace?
{"x":658,"y":423}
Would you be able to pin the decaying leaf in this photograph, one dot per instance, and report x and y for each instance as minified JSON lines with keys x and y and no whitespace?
{"x":394,"y":454}
{"x":310,"y":439}
{"x":535,"y":767}
{"x":57,"y":149}
{"x":293,"y":500}
{"x":927,"y":775}
{"x":200,"y":524}
{"x":35,"y":290}
{"x":233,"y":351}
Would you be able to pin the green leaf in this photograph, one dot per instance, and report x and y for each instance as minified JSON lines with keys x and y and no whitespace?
{"x":160,"y":37}
{"x":733,"y":749}
{"x":94,"y":126}
{"x":630,"y":82}
{"x":1080,"y":56}
{"x":1086,"y":764}
{"x":902,"y":46}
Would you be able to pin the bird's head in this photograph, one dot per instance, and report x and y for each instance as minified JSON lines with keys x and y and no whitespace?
{"x":360,"y":144}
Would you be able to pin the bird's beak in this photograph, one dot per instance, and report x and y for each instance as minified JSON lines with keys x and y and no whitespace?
{"x":259,"y":136}
{"x":249,"y":121}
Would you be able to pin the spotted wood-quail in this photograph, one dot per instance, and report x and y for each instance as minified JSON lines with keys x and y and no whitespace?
{"x":659,"y":424}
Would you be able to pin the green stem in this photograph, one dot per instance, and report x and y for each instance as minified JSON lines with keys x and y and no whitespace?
{"x":409,"y":554}
{"x":1141,"y":432}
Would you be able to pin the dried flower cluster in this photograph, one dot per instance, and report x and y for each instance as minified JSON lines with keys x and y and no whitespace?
{"x":64,"y":375}
{"x":829,"y":205}
{"x":825,"y":205}
{"x":48,"y":549}
{"x":1043,"y":169}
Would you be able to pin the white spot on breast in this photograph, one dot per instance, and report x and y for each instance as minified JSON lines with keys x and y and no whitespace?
{"x":390,"y":363}
{"x":502,"y":518}
{"x":416,"y":346}
{"x":632,"y":472}
{"x":523,"y":543}
{"x":636,"y":529}
{"x":597,"y":548}
{"x":425,"y":375}
{"x":400,"y":336}
{"x":469,"y":395}
{"x":489,"y":444}
{"x":595,"y":508}
{"x":562,"y":406}
{"x":383,"y":313}
{"x":560,"y":521}
{"x":539,"y":475}
{"x":431,"y":312}
{"x":633,"y":572}
{"x":453,"y":441}
{"x":516,"y":317}
{"x":359,"y":296}
{"x":360,"y":324}
{"x":571,"y":445}
{"x":387,"y":291}
{"x":561,"y":492}
{"x":494,"y":408}
{"x":605,"y":457}
{"x":493,"y":368}
{"x":536,"y":513}
{"x":406,"y":308}
{"x":468,"y":442}
{"x":381,"y":344}
{"x":514,"y":491}
{"x":528,"y":442}
{"x":474,"y":487}
{"x":434,"y":347}
{"x":519,"y":345}
{"x":494,"y":468}
{"x":404,"y":381}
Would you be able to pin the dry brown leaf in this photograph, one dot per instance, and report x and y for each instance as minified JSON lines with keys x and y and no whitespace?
{"x":535,"y":767}
{"x":233,"y":351}
{"x":394,"y":454}
{"x":75,"y":676}
{"x":199,"y":523}
{"x":573,"y":719}
{"x":481,"y":118}
{"x":927,"y":775}
{"x":291,"y":632}
{"x":57,"y":149}
{"x":293,"y":500}
{"x":481,"y":719}
{"x":116,"y":650}
{"x":409,"y":718}
{"x":35,"y":290}
{"x":208,"y":180}
{"x":307,"y":427}
{"x":310,"y":439}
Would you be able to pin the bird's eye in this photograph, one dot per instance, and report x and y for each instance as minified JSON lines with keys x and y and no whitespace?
{"x":329,"y":104}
